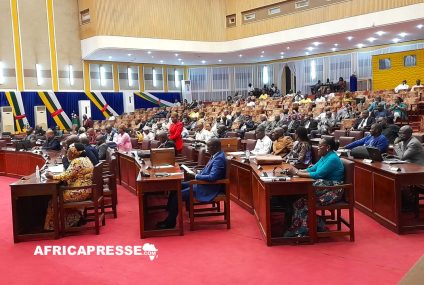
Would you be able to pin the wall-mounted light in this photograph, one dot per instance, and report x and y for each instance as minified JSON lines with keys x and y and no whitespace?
{"x":102,"y":76}
{"x":265,"y":75}
{"x":39,"y":75}
{"x":154,"y":77}
{"x":130,"y":79}
{"x":2,"y":79}
{"x":71,"y":75}
{"x":176,"y":75}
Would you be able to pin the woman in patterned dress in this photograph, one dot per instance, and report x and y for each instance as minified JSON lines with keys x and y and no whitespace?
{"x":79,"y":173}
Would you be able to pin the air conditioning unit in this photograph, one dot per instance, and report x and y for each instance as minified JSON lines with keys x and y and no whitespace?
{"x":301,"y":4}
{"x":40,"y":113}
{"x":7,"y":120}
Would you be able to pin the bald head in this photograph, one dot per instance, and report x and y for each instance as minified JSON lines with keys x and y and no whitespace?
{"x":405,"y":133}
{"x":71,"y":139}
{"x":214,"y":146}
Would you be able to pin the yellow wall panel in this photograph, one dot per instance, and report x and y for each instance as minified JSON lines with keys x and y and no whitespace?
{"x":390,"y":78}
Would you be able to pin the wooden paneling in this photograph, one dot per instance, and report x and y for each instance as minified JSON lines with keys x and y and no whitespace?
{"x":385,"y":197}
{"x":245,"y":186}
{"x":6,"y":46}
{"x":364,"y":188}
{"x":205,"y":20}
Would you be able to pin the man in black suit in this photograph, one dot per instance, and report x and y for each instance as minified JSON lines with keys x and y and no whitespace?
{"x":309,"y":123}
{"x":52,"y":143}
{"x":364,"y":123}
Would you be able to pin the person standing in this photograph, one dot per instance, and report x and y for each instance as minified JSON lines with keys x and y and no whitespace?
{"x":123,"y":140}
{"x":175,"y":130}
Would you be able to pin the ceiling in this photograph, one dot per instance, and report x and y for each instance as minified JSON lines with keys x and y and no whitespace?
{"x":369,"y":37}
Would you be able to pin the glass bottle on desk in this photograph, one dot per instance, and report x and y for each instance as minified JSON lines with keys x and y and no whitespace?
{"x":248,"y":154}
{"x":37,"y":174}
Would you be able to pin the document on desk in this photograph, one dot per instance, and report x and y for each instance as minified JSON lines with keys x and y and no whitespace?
{"x":163,"y":166}
{"x":188,"y":170}
{"x":236,"y":153}
{"x":56,"y":169}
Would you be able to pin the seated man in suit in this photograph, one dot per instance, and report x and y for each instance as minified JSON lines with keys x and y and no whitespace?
{"x":390,"y":130}
{"x":165,"y":142}
{"x":309,"y":123}
{"x":409,"y":148}
{"x":374,"y":139}
{"x":214,"y":170}
{"x":363,"y":123}
{"x":52,"y":143}
{"x":381,"y":111}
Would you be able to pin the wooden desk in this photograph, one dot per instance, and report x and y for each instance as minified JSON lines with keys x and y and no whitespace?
{"x":253,"y":194}
{"x":378,"y":193}
{"x":129,"y":169}
{"x":29,"y":196}
{"x":159,"y":184}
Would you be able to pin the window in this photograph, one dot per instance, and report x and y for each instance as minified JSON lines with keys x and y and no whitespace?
{"x":384,"y":63}
{"x":249,"y":17}
{"x":85,"y":16}
{"x":274,"y":10}
{"x":301,"y":4}
{"x":410,"y":60}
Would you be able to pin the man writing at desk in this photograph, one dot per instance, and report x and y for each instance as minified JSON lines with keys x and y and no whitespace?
{"x":214,"y":170}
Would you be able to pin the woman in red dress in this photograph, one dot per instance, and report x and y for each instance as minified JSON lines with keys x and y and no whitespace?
{"x":175,"y":130}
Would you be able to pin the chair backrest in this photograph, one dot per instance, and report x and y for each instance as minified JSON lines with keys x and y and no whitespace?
{"x":229,"y":144}
{"x":162,"y":156}
{"x":250,"y":144}
{"x":3,"y":143}
{"x":356,"y":134}
{"x":232,"y":134}
{"x":344,"y":141}
{"x":134,"y":143}
{"x":97,"y":180}
{"x":349,"y":171}
{"x":145,"y":145}
{"x":315,"y":154}
{"x":339,"y":133}
{"x":202,"y":159}
{"x":250,"y":135}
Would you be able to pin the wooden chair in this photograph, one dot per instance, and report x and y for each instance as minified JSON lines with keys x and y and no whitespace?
{"x":344,"y":141}
{"x":214,"y":210}
{"x":250,"y":144}
{"x":110,"y":193}
{"x":96,"y":203}
{"x":134,"y":143}
{"x":315,"y":154}
{"x":356,"y":134}
{"x":154,"y":144}
{"x":250,"y":135}
{"x":347,"y":203}
{"x":230,"y":144}
{"x":145,"y":145}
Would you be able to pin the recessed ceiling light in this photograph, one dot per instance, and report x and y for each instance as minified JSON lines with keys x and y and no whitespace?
{"x":263,"y":51}
{"x":349,"y":38}
{"x":403,"y":35}
{"x":336,"y":45}
{"x":179,"y":59}
{"x":129,"y":54}
{"x":420,"y":26}
{"x":310,"y":48}
{"x":203,"y":61}
{"x":288,"y":48}
{"x":240,"y":55}
{"x":161,"y":61}
{"x":307,"y":53}
{"x":262,"y":55}
{"x":360,"y":45}
{"x":219,"y":60}
{"x":333,"y":49}
{"x":371,"y":39}
{"x":149,"y":52}
{"x":396,"y":40}
{"x":380,"y":33}
{"x":182,"y":62}
{"x":316,"y":43}
{"x":176,"y":54}
{"x":109,"y":57}
{"x":282,"y":52}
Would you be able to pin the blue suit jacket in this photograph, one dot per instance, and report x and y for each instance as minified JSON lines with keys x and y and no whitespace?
{"x":214,"y":170}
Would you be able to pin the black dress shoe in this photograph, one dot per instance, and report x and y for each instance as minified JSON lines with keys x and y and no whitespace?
{"x":165,"y":225}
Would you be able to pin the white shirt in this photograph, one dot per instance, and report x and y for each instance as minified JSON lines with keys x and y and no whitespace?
{"x":251,"y":104}
{"x":177,"y":104}
{"x":416,"y":86}
{"x":251,"y":89}
{"x":320,"y":99}
{"x":184,"y":133}
{"x":148,"y":137}
{"x":263,"y":146}
{"x":203,"y":135}
{"x":401,"y":87}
